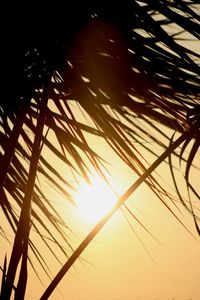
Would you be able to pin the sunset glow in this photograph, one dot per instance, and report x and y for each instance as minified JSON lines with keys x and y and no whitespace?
{"x":96,"y":200}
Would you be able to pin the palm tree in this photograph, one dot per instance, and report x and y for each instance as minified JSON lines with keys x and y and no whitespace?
{"x":129,"y":66}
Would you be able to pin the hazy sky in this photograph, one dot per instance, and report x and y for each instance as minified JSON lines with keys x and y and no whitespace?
{"x":118,"y":265}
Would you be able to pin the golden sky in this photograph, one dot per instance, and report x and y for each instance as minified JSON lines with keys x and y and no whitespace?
{"x":127,"y":263}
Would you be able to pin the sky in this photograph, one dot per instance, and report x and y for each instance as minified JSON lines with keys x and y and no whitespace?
{"x":124,"y":261}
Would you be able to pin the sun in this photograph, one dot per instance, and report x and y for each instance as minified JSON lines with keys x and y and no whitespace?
{"x":95,"y":200}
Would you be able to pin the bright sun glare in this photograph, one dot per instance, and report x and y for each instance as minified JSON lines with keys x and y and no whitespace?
{"x":96,"y":200}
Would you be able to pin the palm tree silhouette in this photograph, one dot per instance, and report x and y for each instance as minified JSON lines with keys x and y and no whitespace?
{"x":121,"y":62}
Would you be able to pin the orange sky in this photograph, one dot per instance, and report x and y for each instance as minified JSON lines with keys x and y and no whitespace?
{"x":122,"y":269}
{"x":118,"y":266}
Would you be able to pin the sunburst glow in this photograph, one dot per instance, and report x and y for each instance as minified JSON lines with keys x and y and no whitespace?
{"x":96,"y":200}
